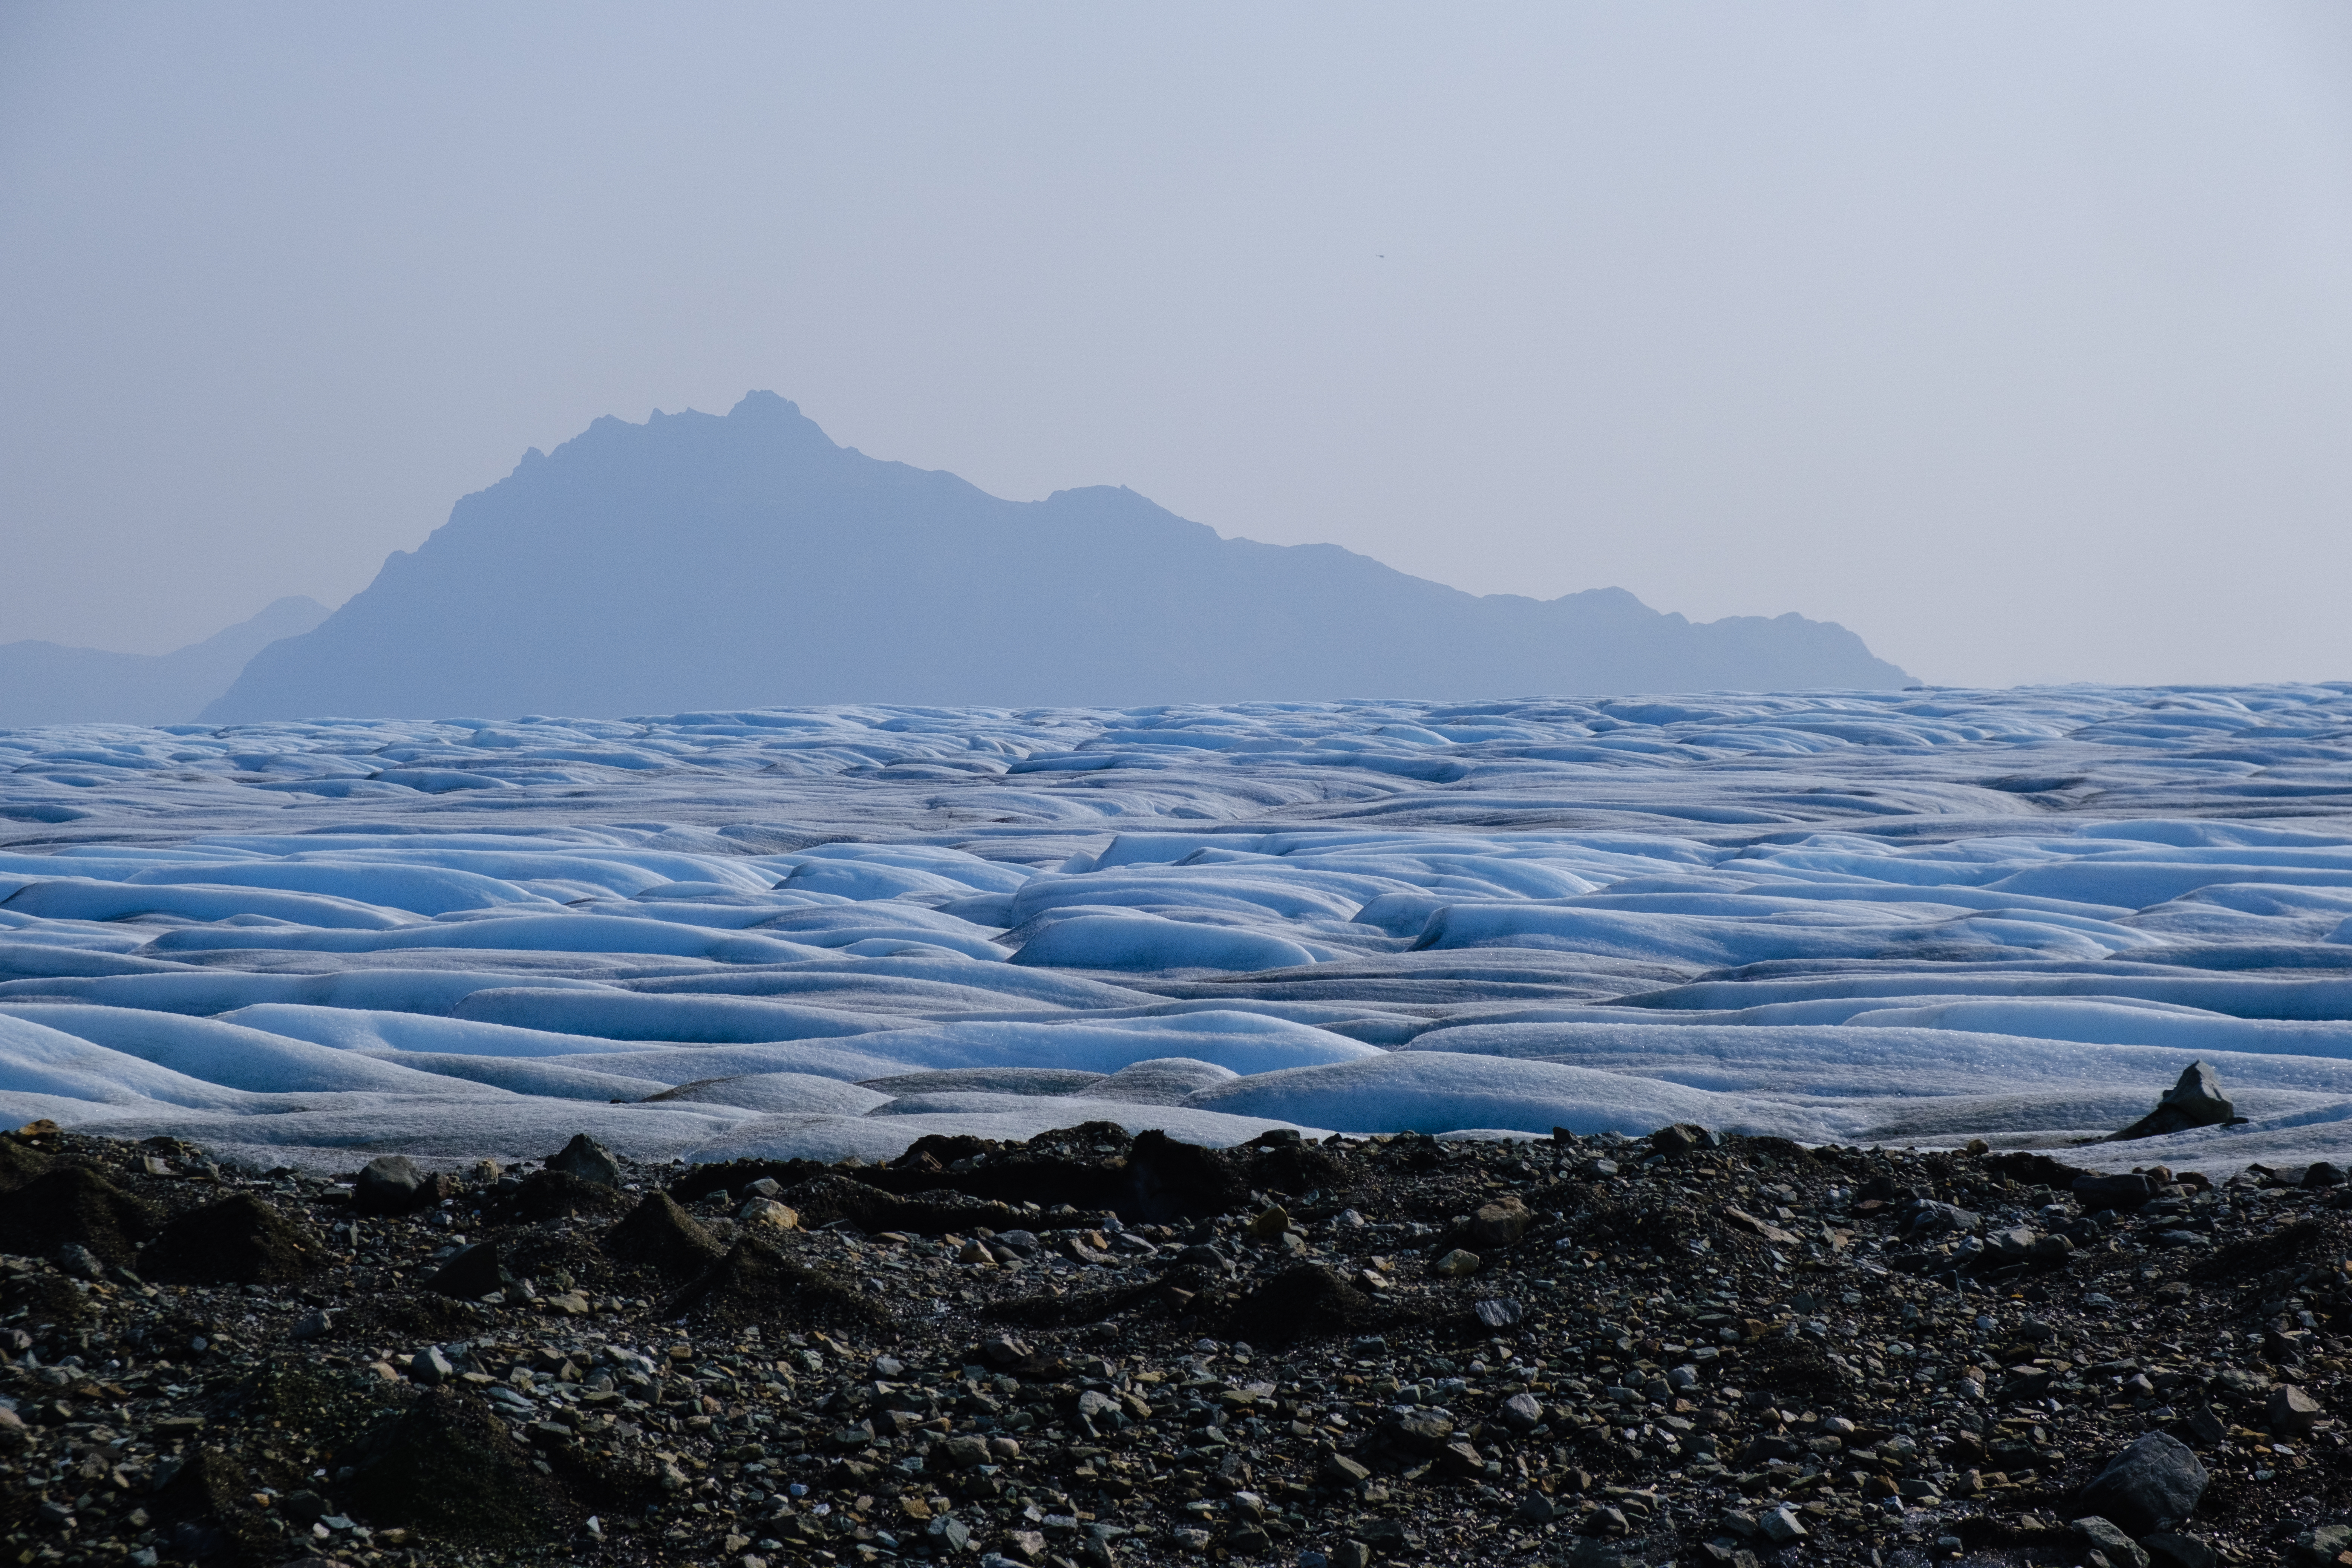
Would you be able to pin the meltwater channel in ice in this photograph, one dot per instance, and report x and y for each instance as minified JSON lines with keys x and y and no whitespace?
{"x":1909,"y":918}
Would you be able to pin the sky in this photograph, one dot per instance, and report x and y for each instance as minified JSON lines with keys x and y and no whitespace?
{"x":2015,"y":337}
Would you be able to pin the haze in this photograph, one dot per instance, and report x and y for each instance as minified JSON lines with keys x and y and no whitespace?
{"x":2015,"y":338}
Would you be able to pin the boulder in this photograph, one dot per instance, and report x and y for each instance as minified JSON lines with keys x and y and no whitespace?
{"x":1500,"y":1222}
{"x":471,"y":1273}
{"x":2122,"y":1193}
{"x":2153,"y":1485}
{"x":390,"y":1184}
{"x":1679,"y":1139}
{"x":2102,"y":1537}
{"x":2291,"y":1410}
{"x":2320,"y":1544}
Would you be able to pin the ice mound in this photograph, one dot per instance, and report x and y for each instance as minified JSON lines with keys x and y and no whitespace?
{"x":1896,"y":917}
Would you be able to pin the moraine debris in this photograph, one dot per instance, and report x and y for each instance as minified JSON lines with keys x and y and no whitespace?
{"x":1705,"y":1350}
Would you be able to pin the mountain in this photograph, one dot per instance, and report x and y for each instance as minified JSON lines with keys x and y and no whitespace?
{"x":45,"y":683}
{"x":700,"y":561}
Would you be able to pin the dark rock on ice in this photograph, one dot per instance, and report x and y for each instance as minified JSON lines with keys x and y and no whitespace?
{"x":2195,"y":1101}
{"x":587,"y":1160}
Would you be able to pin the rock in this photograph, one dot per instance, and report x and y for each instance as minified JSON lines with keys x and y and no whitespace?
{"x":2122,"y":1193}
{"x":1455,"y":1265}
{"x":1498,"y":1313}
{"x":588,"y":1161}
{"x":430,"y":1368}
{"x":2201,"y":1426}
{"x":2291,"y":1410}
{"x":1421,"y":1435}
{"x":2323,"y":1173}
{"x":1501,"y":1223}
{"x":2120,"y":1550}
{"x":313,"y":1325}
{"x":2321,"y":1544}
{"x":80,"y":1262}
{"x":389,"y":1185}
{"x":1681,"y":1139}
{"x":1930,"y":1219}
{"x":769,"y":1213}
{"x":961,"y":1453}
{"x":2153,"y":1485}
{"x":1267,"y":1224}
{"x":2195,"y":1101}
{"x":1352,"y":1555}
{"x":1461,"y":1460}
{"x":473,"y":1273}
{"x":1338,"y":1470}
{"x":2167,"y":1550}
{"x":1780,"y":1526}
{"x":1523,"y":1411}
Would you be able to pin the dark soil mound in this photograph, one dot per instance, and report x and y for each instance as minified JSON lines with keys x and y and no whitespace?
{"x":236,"y":1241}
{"x":828,"y":1199}
{"x":1147,"y":1180}
{"x":754,"y":1283}
{"x":74,"y":1205}
{"x":1046,"y":1311}
{"x":2243,"y":1262}
{"x":553,"y":1260}
{"x":659,"y":1236}
{"x":420,"y":1317}
{"x":206,"y":1514}
{"x":446,"y":1465}
{"x":20,"y":1162}
{"x":2035,"y":1170}
{"x":1293,"y":1168}
{"x":43,"y":1297}
{"x":734,"y":1175}
{"x":1311,"y":1300}
{"x":553,"y":1195}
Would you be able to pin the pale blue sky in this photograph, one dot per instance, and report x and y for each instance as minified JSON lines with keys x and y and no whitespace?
{"x":2016,"y":337}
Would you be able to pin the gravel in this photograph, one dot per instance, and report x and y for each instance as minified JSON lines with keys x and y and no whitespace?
{"x":1091,"y":1349}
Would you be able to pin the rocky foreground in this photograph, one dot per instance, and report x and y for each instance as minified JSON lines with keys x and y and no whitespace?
{"x":1093,"y":1348}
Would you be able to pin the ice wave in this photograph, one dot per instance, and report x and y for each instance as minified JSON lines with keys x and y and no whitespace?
{"x":1915,"y":915}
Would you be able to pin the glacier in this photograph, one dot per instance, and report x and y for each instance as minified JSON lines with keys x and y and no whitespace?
{"x":1918,"y":918}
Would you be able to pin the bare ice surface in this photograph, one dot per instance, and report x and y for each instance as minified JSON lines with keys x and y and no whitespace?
{"x":1915,"y":917}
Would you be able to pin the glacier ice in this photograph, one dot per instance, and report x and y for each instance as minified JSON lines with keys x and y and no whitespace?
{"x":1914,"y":917}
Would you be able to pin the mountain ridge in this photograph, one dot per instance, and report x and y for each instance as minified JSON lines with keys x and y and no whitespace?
{"x":50,"y":683}
{"x":746,"y":559}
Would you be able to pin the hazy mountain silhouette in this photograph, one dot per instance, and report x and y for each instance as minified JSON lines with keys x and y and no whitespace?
{"x":699,"y":562}
{"x":45,"y":683}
